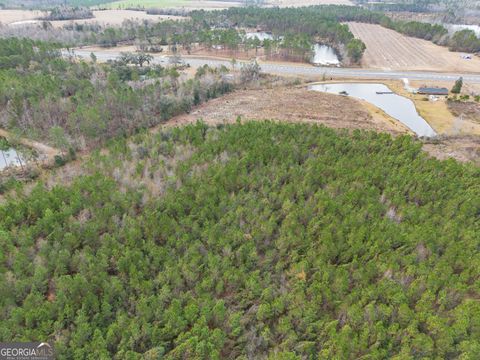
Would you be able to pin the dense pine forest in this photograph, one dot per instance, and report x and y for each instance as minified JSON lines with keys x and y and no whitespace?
{"x":250,"y":241}
{"x":253,"y":240}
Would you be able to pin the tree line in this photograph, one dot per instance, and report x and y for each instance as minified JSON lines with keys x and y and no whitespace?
{"x":68,"y":13}
{"x":303,"y":27}
{"x":77,"y":104}
{"x":299,"y":27}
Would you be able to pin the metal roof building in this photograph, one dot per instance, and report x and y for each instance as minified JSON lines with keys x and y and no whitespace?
{"x":433,"y":91}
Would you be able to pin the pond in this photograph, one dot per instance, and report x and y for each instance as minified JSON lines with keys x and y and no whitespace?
{"x":10,"y":157}
{"x":459,"y":27}
{"x":325,"y":55}
{"x":396,"y":106}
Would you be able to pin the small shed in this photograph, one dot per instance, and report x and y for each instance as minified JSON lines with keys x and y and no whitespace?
{"x":433,"y":91}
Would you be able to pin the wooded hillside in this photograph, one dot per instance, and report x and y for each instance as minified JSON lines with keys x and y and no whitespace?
{"x":256,"y":240}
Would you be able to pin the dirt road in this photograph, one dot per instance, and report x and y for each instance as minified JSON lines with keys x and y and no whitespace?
{"x":390,"y":50}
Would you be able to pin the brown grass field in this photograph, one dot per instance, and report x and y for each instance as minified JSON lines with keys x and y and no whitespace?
{"x":10,"y":16}
{"x":301,"y":105}
{"x":389,"y":50}
{"x":292,"y":104}
{"x":104,"y":17}
{"x":308,"y":2}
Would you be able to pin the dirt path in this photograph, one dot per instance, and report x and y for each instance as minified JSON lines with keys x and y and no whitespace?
{"x":390,"y":50}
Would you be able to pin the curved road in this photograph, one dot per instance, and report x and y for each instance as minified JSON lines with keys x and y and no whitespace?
{"x":306,"y":70}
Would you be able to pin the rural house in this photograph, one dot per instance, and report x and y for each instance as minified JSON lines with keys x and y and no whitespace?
{"x":433,"y":91}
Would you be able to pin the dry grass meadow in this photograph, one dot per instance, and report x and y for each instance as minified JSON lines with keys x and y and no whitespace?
{"x":103,"y":17}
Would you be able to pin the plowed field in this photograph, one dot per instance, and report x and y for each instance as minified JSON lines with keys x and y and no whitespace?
{"x":389,"y":50}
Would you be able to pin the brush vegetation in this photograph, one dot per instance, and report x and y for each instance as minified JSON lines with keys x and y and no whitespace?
{"x":255,"y":240}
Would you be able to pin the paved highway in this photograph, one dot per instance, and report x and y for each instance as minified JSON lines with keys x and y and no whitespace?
{"x":306,"y":70}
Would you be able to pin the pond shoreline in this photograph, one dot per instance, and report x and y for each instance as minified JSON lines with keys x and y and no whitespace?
{"x":44,"y":154}
{"x":379,"y":95}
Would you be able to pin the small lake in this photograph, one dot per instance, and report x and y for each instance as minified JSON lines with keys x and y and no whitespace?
{"x":456,"y":27}
{"x":10,"y":157}
{"x":396,"y":106}
{"x":262,"y":36}
{"x":325,"y":55}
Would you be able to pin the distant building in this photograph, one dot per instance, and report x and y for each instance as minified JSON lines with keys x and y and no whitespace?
{"x":433,"y":91}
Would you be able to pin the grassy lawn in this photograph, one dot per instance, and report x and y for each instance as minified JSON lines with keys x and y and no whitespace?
{"x":146,"y":3}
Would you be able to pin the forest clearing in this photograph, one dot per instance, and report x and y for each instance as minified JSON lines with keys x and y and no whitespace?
{"x":340,"y":112}
{"x":390,"y":50}
{"x":292,"y":105}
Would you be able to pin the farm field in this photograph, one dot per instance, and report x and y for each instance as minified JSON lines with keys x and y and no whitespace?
{"x":207,"y":4}
{"x":308,"y":2}
{"x":111,"y":17}
{"x":193,"y":4}
{"x":116,"y":17}
{"x":11,"y":16}
{"x":389,"y":50}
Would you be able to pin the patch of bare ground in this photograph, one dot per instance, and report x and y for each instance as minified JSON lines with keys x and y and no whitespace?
{"x":468,"y":110}
{"x":390,"y":50}
{"x":464,"y":148}
{"x":290,"y":104}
